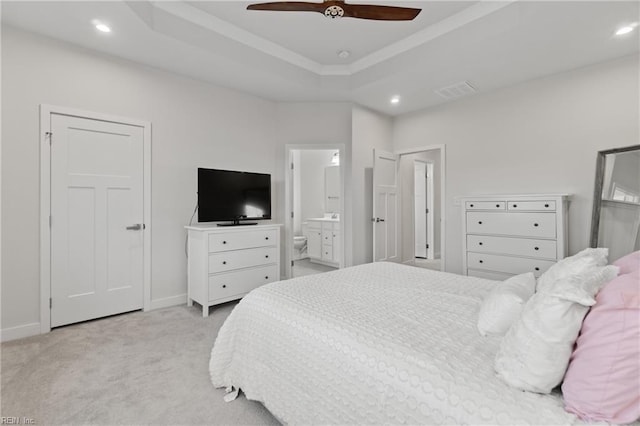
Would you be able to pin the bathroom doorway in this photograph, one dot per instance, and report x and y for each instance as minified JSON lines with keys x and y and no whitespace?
{"x":314,"y":202}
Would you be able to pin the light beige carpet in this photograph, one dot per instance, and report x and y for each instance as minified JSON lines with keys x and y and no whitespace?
{"x":137,"y":368}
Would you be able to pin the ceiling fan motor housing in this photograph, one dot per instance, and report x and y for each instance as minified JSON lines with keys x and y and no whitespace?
{"x":334,"y":12}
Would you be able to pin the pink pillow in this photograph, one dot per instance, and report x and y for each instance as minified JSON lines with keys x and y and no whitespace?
{"x":628,"y":263}
{"x":602,"y":382}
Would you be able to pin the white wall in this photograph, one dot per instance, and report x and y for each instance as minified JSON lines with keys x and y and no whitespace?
{"x":370,"y":130}
{"x":539,"y":136}
{"x":194,"y":125}
{"x":312,"y":165}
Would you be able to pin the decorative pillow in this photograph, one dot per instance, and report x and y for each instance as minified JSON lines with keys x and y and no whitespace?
{"x":504,"y":303}
{"x":587,"y":258}
{"x":629,"y":263}
{"x":603,"y":379}
{"x":535,"y":352}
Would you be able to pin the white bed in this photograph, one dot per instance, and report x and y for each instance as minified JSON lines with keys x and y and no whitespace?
{"x":376,"y":343}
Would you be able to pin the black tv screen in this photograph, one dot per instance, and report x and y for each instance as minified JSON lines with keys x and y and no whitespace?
{"x":229,"y":195}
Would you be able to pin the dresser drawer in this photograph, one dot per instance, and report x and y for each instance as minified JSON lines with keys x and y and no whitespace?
{"x":507,"y":264}
{"x":485,"y":205}
{"x":241,"y":240}
{"x":545,"y":249}
{"x":489,"y":275}
{"x":235,"y":259}
{"x":532,"y":205}
{"x":235,"y":283}
{"x":541,"y":225}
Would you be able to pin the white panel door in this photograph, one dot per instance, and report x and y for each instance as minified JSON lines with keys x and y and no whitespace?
{"x":420,"y":208}
{"x":96,"y":195}
{"x":385,"y":207}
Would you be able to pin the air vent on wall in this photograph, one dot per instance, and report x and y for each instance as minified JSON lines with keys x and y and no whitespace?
{"x":457,"y":90}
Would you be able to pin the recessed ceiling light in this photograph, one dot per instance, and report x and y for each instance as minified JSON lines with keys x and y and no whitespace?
{"x":626,"y":29}
{"x":395,"y":100}
{"x":344,"y":54}
{"x":101,"y":26}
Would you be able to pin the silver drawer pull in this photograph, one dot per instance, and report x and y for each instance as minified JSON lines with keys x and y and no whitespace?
{"x":135,"y":227}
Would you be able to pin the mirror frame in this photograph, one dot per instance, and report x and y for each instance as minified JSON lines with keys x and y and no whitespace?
{"x":597,"y":190}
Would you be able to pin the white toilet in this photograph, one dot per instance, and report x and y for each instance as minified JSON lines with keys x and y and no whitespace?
{"x":300,"y":244}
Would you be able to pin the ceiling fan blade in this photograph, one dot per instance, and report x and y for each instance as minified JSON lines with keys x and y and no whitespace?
{"x":289,"y":6}
{"x":380,"y":13}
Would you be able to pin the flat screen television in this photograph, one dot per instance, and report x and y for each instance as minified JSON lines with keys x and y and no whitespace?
{"x":226,"y":195}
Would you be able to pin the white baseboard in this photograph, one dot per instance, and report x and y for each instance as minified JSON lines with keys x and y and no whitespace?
{"x":13,"y":333}
{"x":165,"y":302}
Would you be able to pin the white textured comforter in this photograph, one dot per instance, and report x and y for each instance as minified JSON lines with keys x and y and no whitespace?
{"x":376,"y":343}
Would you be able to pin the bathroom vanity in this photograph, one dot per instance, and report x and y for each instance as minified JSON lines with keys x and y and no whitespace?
{"x":324,"y":241}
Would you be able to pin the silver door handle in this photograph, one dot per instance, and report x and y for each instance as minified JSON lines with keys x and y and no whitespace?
{"x":376,"y":219}
{"x":136,"y":227}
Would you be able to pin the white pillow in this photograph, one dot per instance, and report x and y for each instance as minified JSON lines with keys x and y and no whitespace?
{"x":504,"y":303}
{"x":535,"y":352}
{"x":587,"y":258}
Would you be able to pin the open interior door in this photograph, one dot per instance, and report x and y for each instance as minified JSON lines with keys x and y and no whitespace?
{"x":385,"y":207}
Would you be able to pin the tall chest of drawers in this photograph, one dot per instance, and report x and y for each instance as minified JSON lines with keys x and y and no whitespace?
{"x":226,"y":263}
{"x":506,"y":235}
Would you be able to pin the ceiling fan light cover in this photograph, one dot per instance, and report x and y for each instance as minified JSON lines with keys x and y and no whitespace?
{"x":334,"y":12}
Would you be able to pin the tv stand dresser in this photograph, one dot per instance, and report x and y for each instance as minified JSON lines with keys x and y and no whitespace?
{"x":226,"y":263}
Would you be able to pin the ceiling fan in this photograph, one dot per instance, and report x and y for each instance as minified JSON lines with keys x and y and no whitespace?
{"x":338,"y":9}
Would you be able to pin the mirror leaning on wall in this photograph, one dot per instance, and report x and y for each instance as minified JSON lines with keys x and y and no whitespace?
{"x":615,"y":221}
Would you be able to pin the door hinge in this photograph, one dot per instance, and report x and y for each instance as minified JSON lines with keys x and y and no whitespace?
{"x":426,"y":210}
{"x":50,"y":303}
{"x":291,"y":166}
{"x":292,"y":263}
{"x":291,"y":215}
{"x":427,"y":245}
{"x":48,"y":135}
